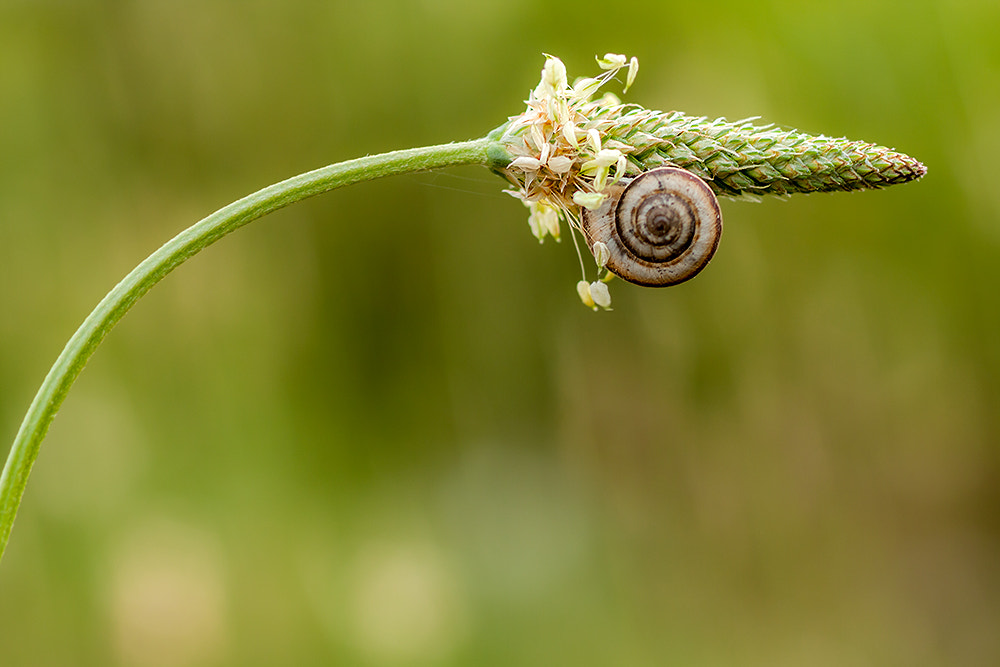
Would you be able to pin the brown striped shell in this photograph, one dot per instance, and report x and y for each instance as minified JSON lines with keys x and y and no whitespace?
{"x":661,"y":227}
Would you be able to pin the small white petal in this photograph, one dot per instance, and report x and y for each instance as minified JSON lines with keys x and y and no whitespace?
{"x":560,"y":164}
{"x":611,"y":61}
{"x":584,"y":89}
{"x":602,"y":161}
{"x":601,"y":178}
{"x":544,"y":157}
{"x":589,"y":200}
{"x":553,"y":79}
{"x":544,"y":221}
{"x":559,"y":111}
{"x":525,"y":163}
{"x":600,"y":294}
{"x":537,"y":138}
{"x":552,"y":225}
{"x":551,"y":110}
{"x":569,"y":133}
{"x":633,"y":69}
{"x":620,"y":168}
{"x":594,"y":137}
{"x":583,"y":289}
{"x":557,"y":73}
{"x":535,"y":230}
{"x":607,"y":157}
{"x":601,"y":254}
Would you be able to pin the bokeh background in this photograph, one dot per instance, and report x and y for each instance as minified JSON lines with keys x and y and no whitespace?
{"x":378,"y":428}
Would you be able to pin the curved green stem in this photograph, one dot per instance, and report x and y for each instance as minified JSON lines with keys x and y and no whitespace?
{"x":202,"y":234}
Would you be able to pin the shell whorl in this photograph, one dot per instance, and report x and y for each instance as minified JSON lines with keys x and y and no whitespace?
{"x":661,"y":227}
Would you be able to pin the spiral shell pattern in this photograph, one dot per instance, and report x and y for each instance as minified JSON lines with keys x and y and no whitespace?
{"x":661,"y":227}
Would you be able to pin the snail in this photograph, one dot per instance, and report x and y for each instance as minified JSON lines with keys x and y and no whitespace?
{"x":661,"y":227}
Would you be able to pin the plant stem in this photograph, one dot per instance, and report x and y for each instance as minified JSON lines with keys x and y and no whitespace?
{"x":199,"y":236}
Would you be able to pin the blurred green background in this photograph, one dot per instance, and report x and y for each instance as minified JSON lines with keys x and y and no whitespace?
{"x":378,"y":428}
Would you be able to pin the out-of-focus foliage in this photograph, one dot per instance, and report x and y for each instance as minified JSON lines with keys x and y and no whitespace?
{"x":378,"y":428}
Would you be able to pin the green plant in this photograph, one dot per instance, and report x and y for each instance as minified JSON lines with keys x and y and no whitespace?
{"x":563,"y":156}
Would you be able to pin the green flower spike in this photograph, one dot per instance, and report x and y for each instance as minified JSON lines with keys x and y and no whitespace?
{"x":568,"y":151}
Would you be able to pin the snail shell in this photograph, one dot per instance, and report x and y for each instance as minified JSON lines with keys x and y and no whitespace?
{"x":661,"y":227}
